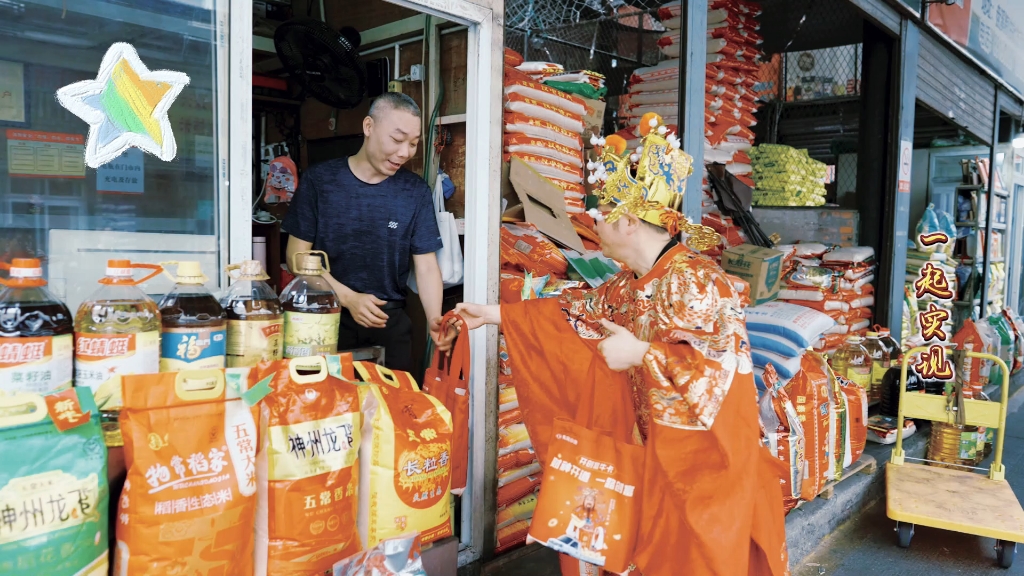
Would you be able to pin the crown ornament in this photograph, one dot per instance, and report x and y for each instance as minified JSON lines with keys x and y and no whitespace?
{"x":648,"y":182}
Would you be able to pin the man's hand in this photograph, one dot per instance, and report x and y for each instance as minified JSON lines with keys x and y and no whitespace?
{"x":622,"y":350}
{"x":443,"y":339}
{"x":365,"y":309}
{"x":477,"y":315}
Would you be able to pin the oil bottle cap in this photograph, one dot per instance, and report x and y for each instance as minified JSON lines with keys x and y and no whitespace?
{"x":190,"y":272}
{"x":119,"y":267}
{"x":247,"y":270}
{"x":26,"y":268}
{"x":854,"y":339}
{"x":872,"y":334}
{"x":309,"y":263}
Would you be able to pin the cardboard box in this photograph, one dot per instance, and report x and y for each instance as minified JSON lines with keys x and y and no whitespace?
{"x":541,"y":203}
{"x":760,"y":267}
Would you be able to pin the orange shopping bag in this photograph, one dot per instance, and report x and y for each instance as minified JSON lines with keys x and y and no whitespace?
{"x":589,"y":504}
{"x":450,"y":385}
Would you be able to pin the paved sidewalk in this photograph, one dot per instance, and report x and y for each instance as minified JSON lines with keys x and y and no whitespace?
{"x":867,"y":544}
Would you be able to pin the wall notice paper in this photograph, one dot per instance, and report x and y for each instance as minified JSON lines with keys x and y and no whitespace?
{"x":124,"y":174}
{"x":12,"y":91}
{"x":34,"y":154}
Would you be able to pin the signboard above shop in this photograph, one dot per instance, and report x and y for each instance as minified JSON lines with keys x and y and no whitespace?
{"x":991,"y":30}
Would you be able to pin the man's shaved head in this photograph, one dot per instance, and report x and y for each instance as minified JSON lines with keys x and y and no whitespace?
{"x":393,"y":101}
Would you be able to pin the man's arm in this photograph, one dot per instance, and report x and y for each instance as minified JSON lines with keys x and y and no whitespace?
{"x":363,"y":307}
{"x":431,"y":287}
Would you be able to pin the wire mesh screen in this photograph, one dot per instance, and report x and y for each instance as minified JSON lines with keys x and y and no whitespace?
{"x":823,"y":73}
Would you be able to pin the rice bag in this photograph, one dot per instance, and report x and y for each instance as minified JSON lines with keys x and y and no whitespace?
{"x":513,"y":438}
{"x":53,"y":485}
{"x":541,"y":147}
{"x":514,"y":491}
{"x":191,"y":488}
{"x":784,"y":367}
{"x":516,"y":123}
{"x":513,"y":58}
{"x":512,"y":535}
{"x":856,"y":421}
{"x":510,"y":476}
{"x":548,"y":95}
{"x":809,"y":392}
{"x":405,"y":465}
{"x":517,"y":459}
{"x":308,"y":464}
{"x":522,"y":509}
{"x":548,"y":167}
{"x":784,"y":437}
{"x":544,"y":111}
{"x":798,"y":324}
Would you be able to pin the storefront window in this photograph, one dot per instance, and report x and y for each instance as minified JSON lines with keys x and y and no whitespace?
{"x":138,"y":206}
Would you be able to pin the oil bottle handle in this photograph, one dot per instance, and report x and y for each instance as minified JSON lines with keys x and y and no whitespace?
{"x":156,"y":270}
{"x":293,"y":264}
{"x":174,"y":278}
{"x":231,"y":268}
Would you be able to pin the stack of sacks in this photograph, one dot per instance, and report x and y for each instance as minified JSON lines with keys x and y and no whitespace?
{"x":785,"y":176}
{"x":779,"y":334}
{"x":542,"y":127}
{"x":731,"y":234}
{"x":539,"y":71}
{"x":651,"y":89}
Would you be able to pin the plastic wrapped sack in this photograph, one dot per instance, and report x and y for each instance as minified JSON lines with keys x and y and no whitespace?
{"x":800,"y":325}
{"x":772,"y":343}
{"x":856,"y":421}
{"x":54,"y":482}
{"x":523,"y":124}
{"x":190,"y":443}
{"x":405,"y":465}
{"x":394,"y":557}
{"x":809,"y":392}
{"x":548,"y":95}
{"x":786,"y":368}
{"x":544,"y":111}
{"x":541,"y":147}
{"x":784,"y":437}
{"x":308,"y":465}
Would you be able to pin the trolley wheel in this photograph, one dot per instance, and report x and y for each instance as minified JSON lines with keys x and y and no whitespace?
{"x":1005,"y":553}
{"x":905,"y":533}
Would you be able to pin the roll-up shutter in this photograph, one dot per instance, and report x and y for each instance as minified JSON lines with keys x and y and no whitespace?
{"x":954,"y":88}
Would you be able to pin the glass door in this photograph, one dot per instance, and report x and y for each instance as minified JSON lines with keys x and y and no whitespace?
{"x":63,"y":199}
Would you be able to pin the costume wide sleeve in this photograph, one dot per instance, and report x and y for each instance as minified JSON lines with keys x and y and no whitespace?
{"x":698,"y":344}
{"x":585,"y":308}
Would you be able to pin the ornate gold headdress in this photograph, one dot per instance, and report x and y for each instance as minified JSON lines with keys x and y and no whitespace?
{"x":648,"y":183}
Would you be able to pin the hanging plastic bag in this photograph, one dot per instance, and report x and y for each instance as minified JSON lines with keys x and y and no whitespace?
{"x":309,"y":470}
{"x":449,"y":257}
{"x":190,"y":445}
{"x":589,"y":508}
{"x":53,"y":485}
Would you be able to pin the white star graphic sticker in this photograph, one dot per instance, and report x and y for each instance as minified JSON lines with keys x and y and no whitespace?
{"x":126,"y":105}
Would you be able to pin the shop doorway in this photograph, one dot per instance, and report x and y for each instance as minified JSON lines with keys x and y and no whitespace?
{"x":449,"y":62}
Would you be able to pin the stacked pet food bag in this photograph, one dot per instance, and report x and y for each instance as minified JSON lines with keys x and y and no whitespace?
{"x":308,"y":463}
{"x":532,"y":265}
{"x":785,"y":176}
{"x":730,"y":99}
{"x":813,"y":419}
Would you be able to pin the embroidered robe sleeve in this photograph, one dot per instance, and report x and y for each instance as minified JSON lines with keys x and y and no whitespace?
{"x":698,"y":343}
{"x":584,"y":309}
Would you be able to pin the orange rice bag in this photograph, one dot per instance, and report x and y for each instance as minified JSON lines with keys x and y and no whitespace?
{"x":189,"y":500}
{"x":856,"y":418}
{"x":808,"y":391}
{"x":309,"y":469}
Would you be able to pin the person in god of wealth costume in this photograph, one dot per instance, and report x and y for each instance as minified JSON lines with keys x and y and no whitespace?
{"x":660,"y":354}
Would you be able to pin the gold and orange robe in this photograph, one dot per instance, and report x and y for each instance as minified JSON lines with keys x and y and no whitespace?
{"x":711,"y":502}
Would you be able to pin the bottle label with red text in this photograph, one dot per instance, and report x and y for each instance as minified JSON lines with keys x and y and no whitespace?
{"x":40,"y":365}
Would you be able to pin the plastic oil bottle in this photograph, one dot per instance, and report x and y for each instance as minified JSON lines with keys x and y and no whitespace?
{"x":890,"y":343}
{"x":36,"y":333}
{"x":853,"y":362}
{"x":312,"y":312}
{"x":194,"y":324}
{"x":880,"y":363}
{"x":255,"y":317}
{"x":117,"y":331}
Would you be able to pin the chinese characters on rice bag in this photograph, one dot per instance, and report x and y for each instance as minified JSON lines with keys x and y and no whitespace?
{"x":308,"y":466}
{"x":53,"y":485}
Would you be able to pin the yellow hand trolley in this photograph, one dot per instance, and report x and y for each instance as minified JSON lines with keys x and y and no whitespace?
{"x":957,"y":500}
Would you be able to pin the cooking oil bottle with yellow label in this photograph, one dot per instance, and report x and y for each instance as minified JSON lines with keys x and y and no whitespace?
{"x":194,"y":324}
{"x":36,"y":341}
{"x":117,"y":332}
{"x":255,"y":317}
{"x":312,"y":312}
{"x":853,"y":362}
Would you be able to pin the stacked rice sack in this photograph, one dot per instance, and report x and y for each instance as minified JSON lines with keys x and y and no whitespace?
{"x":834,"y":281}
{"x":785,"y":176}
{"x":542,"y":126}
{"x":780,"y":333}
{"x":585,"y":83}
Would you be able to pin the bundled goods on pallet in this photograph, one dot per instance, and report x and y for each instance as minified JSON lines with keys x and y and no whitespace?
{"x":834,"y":281}
{"x":785,"y":176}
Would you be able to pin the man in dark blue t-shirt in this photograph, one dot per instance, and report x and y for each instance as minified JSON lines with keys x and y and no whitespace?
{"x":372,"y":217}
